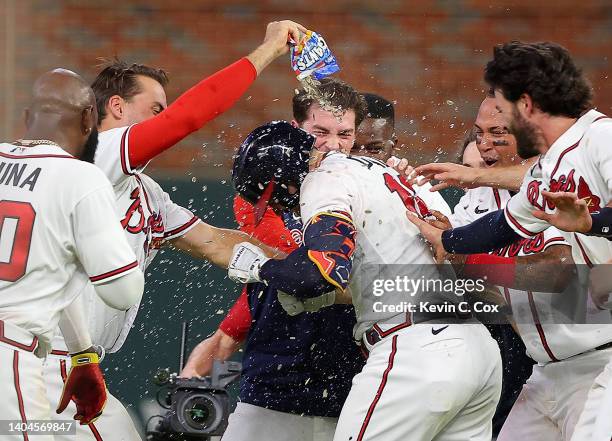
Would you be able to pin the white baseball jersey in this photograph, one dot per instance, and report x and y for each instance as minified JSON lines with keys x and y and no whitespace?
{"x":57,"y":217}
{"x":545,"y":342}
{"x":579,"y":161}
{"x":148,"y":217}
{"x":376,"y":199}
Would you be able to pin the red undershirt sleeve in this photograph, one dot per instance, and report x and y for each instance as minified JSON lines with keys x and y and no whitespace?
{"x":496,"y":270}
{"x":194,"y":108}
{"x":237,"y":322}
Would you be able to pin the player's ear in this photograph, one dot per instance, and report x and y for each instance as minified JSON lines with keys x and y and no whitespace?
{"x":295,"y":124}
{"x":525,"y":104}
{"x":114,"y":106}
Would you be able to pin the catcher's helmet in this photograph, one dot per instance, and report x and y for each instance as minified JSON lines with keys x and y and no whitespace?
{"x":269,"y":159}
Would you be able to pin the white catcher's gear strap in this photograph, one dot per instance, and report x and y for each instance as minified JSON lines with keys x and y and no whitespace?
{"x":245,"y":263}
{"x":294,"y":306}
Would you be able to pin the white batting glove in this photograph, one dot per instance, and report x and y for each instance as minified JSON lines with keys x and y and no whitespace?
{"x":245,"y":263}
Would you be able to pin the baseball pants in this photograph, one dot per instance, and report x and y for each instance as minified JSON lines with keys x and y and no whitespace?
{"x":595,"y":422}
{"x":249,"y":422}
{"x":115,"y":424}
{"x":430,"y":381}
{"x":22,"y":388}
{"x":554,"y":398}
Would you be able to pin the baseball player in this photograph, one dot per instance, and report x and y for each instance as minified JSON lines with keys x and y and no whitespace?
{"x":572,"y":140}
{"x":272,"y":384}
{"x":136,"y":125}
{"x":58,"y":225}
{"x":353,"y":210}
{"x":569,"y":357}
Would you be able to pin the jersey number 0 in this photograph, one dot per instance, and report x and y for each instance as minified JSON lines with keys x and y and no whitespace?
{"x":16,"y":225}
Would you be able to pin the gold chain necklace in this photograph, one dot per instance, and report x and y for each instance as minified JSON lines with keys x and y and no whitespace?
{"x":33,"y":142}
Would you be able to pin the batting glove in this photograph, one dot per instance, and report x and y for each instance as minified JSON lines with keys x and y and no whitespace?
{"x":245,"y":263}
{"x":85,"y":386}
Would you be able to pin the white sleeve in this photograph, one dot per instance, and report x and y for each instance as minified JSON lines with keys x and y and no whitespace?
{"x":463,"y":212}
{"x":74,"y":327}
{"x":326,"y":190}
{"x":124,"y":292}
{"x":101,"y":245}
{"x":519,"y":208}
{"x":433,"y":199}
{"x":112,"y":155}
{"x":599,"y":147}
{"x":178,"y":220}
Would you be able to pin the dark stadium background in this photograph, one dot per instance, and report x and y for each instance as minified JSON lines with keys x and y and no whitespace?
{"x":426,"y":56}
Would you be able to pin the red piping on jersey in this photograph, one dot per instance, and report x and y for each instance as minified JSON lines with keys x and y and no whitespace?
{"x":563,"y":153}
{"x":5,"y":339}
{"x":379,"y":392}
{"x":538,"y":325}
{"x":518,"y":225}
{"x":122,"y":153}
{"x":18,"y":390}
{"x":114,"y":272}
{"x":583,"y":252}
{"x":192,"y":110}
{"x":183,"y":227}
{"x":6,"y":155}
{"x":497,"y":198}
{"x":58,"y":352}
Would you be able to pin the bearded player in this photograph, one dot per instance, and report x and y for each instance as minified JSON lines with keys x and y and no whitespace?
{"x":135,"y":126}
{"x":546,"y":101}
{"x":356,"y":234}
{"x":58,"y":228}
{"x":569,"y":356}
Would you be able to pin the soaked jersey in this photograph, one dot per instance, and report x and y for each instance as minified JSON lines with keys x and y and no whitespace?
{"x":57,"y":220}
{"x":534,"y":311}
{"x":580,"y":161}
{"x":375,"y":198}
{"x":148,"y":217}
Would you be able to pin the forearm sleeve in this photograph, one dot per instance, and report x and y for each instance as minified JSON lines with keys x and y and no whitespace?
{"x":194,"y":108}
{"x":488,"y":233}
{"x":124,"y":292}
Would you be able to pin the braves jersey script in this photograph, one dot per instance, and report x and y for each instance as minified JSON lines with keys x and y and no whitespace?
{"x":148,"y":217}
{"x":579,"y":161}
{"x":57,"y":218}
{"x":376,"y":198}
{"x":545,"y":342}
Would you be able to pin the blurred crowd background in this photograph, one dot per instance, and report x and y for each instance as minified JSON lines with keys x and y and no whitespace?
{"x":425,"y":56}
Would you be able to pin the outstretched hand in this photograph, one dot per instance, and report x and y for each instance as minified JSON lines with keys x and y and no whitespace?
{"x":449,"y":175}
{"x":432,"y":234}
{"x":571,"y":213}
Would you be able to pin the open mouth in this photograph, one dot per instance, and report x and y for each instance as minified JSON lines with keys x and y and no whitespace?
{"x":489,"y":162}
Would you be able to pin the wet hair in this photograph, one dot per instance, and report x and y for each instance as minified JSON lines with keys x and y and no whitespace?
{"x":379,"y":107}
{"x":120,"y":78}
{"x":545,"y":71}
{"x":337,"y":93}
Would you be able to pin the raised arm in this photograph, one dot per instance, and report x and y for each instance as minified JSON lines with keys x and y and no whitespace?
{"x":209,"y":98}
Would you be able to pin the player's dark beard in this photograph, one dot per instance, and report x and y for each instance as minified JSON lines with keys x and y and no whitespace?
{"x":89,"y":149}
{"x":525,"y":134}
